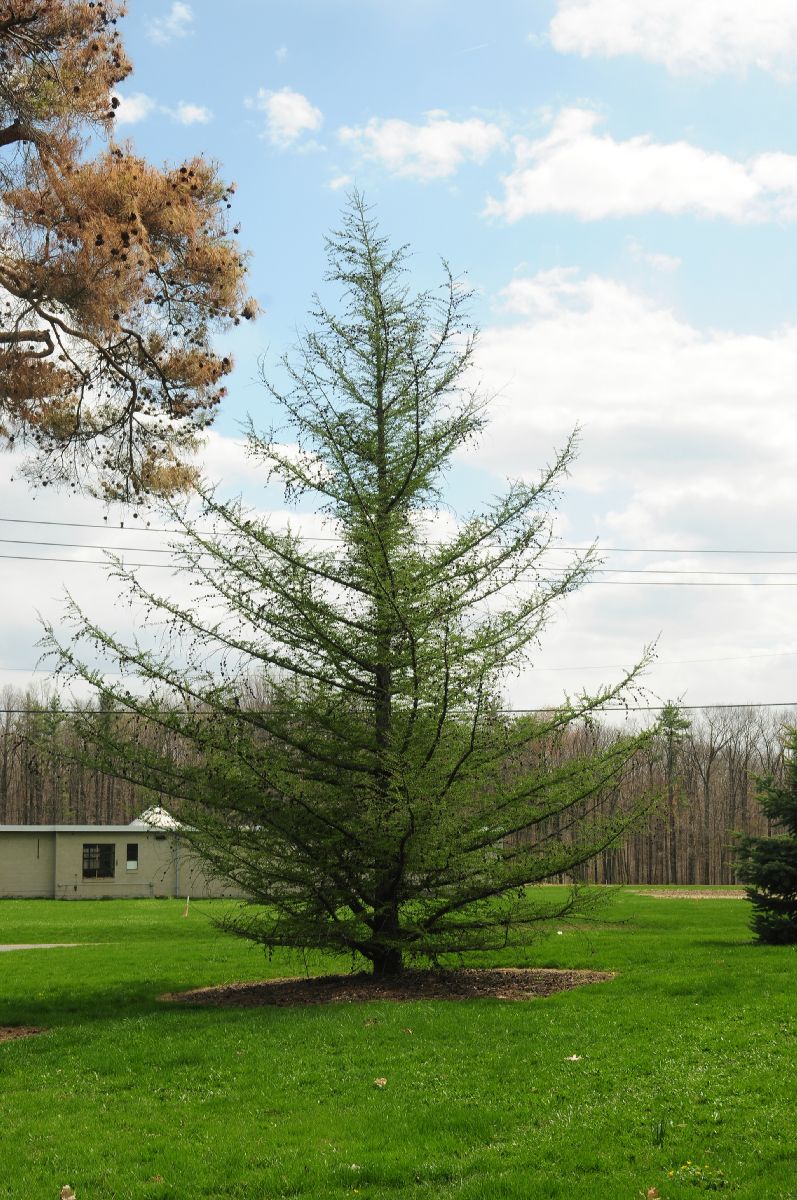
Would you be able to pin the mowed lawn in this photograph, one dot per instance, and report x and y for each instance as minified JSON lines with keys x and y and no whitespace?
{"x":684,"y":1080}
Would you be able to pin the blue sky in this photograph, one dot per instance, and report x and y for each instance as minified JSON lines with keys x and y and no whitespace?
{"x":360,"y":62}
{"x":618,"y":178}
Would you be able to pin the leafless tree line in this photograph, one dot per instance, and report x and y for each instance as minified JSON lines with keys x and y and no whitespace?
{"x":703,"y":780}
{"x":702,"y":783}
{"x":42,"y":780}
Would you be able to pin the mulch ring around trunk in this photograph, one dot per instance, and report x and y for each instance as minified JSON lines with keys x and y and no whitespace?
{"x":500,"y":983}
{"x":9,"y":1033}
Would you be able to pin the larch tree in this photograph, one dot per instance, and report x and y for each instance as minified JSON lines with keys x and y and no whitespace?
{"x":113,"y":273}
{"x":346,"y":756}
{"x":768,"y":865}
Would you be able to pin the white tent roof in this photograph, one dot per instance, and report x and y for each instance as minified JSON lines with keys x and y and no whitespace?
{"x":155,"y":818}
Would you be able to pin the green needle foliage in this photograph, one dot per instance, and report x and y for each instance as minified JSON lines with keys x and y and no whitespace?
{"x":346,"y":759}
{"x":769,"y":864}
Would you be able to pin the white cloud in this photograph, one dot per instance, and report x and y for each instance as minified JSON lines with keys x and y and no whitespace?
{"x":685,"y":35}
{"x":666,"y":405}
{"x":665,"y":263}
{"x":433,"y":150}
{"x":288,"y":115}
{"x":576,"y":170}
{"x":281,"y":53}
{"x":340,"y":181}
{"x":190,"y":114}
{"x":134,"y":108}
{"x":177,"y":23}
{"x":689,"y":439}
{"x":138,"y":106}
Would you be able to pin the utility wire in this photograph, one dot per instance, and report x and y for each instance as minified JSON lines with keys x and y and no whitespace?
{"x":672,"y":662}
{"x":104,"y":562}
{"x":659,"y":707}
{"x":184,"y":712}
{"x":594,"y":570}
{"x":97,"y":546}
{"x":146,"y":528}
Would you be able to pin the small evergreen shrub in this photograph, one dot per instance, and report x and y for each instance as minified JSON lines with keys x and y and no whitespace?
{"x":769,"y":864}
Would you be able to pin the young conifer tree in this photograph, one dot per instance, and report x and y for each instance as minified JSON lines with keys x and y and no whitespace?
{"x":769,"y":864}
{"x":372,"y":795}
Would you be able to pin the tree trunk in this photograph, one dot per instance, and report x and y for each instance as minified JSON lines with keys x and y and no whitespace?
{"x":673,"y":850}
{"x":386,"y":963}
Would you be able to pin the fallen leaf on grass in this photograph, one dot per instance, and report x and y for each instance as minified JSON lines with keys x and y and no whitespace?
{"x":573,"y":1058}
{"x":380,"y":1082}
{"x":653,"y":1194}
{"x":67,"y":1193}
{"x":406,"y":1031}
{"x":371,"y":1021}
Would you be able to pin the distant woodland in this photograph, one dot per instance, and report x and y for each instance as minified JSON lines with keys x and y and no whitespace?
{"x":703,"y":781}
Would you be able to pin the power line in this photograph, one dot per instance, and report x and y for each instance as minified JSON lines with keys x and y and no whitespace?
{"x":672,"y":662}
{"x":41,"y":671}
{"x":548,"y":708}
{"x":660,"y":707}
{"x":104,"y":562}
{"x":77,"y":562}
{"x":161,"y":550}
{"x":98,"y":546}
{"x":147,"y":528}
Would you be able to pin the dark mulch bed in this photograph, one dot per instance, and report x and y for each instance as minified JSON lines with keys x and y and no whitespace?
{"x":8,"y":1033}
{"x":502,"y":983}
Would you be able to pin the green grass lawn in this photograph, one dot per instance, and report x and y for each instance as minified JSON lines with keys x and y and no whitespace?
{"x":688,"y":1056}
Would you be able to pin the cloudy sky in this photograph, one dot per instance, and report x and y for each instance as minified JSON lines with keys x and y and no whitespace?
{"x":618,"y":178}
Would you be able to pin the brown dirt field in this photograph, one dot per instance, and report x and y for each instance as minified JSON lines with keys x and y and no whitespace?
{"x":9,"y":1033}
{"x":695,"y":894}
{"x":501,"y":983}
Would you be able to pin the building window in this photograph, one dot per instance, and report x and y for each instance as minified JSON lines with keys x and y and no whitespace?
{"x":132,"y":856}
{"x":98,"y":860}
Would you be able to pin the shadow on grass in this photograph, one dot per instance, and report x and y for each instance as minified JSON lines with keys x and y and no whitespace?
{"x":120,"y":1003}
{"x":729,"y":944}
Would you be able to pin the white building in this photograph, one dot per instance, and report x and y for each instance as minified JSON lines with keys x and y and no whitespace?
{"x":148,"y":857}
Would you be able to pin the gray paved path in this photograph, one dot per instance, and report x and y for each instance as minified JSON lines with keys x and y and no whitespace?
{"x":38,"y":946}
